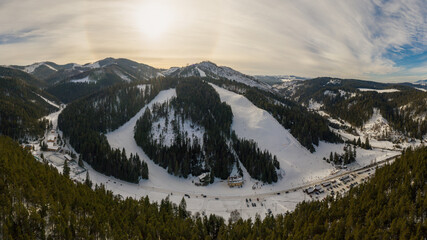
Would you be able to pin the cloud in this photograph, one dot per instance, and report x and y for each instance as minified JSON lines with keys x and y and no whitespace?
{"x":17,"y":37}
{"x":352,"y":39}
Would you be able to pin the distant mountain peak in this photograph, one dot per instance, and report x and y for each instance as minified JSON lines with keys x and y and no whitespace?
{"x":210,"y":69}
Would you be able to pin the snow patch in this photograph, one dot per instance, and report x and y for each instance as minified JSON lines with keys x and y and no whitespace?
{"x":165,"y":135}
{"x":334,"y":82}
{"x":122,"y":76}
{"x":421,"y":89}
{"x":313,"y":105}
{"x":378,"y":90}
{"x":201,"y":73}
{"x":83,"y":80}
{"x":31,"y":68}
{"x":329,"y":93}
{"x":48,"y":101}
{"x":93,"y":65}
{"x":170,"y":71}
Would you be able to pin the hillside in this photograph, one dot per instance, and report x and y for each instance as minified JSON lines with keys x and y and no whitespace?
{"x":209,"y":69}
{"x":191,"y":134}
{"x":22,"y":106}
{"x":398,"y":110}
{"x":47,"y":204}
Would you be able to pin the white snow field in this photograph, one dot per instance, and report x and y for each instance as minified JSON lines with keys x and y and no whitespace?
{"x":83,"y":80}
{"x":378,"y":90}
{"x":48,"y":101}
{"x":299,"y":167}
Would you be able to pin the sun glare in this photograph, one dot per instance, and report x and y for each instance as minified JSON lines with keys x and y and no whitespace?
{"x":154,"y":19}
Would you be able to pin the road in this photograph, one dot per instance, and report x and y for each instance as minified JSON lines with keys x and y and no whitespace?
{"x":272,"y":193}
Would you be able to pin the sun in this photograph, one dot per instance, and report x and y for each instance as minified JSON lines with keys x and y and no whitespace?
{"x":154,"y":19}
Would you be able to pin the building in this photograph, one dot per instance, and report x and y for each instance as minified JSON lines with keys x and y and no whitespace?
{"x":203,"y":179}
{"x":51,"y":138}
{"x":52,"y":148}
{"x":235,"y":181}
{"x":326,"y":184}
{"x":310,"y":190}
{"x":67,"y":157}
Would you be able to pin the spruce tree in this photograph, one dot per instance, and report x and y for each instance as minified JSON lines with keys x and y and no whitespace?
{"x":66,"y":169}
{"x":81,"y":161}
{"x":88,"y":182}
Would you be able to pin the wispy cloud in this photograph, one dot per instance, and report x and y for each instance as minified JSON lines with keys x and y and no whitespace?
{"x":371,"y":39}
{"x":17,"y":37}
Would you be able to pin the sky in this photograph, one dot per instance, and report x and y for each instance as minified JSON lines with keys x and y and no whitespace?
{"x":366,"y":39}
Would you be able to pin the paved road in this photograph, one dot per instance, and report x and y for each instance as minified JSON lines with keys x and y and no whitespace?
{"x":272,"y":193}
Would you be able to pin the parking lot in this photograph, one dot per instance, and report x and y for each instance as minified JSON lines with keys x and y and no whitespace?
{"x":340,"y":185}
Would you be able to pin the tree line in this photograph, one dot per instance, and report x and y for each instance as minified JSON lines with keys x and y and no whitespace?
{"x":39,"y":203}
{"x":85,"y":121}
{"x":21,"y":109}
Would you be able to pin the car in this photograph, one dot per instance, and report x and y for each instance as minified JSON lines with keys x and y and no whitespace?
{"x":287,"y":192}
{"x":278,"y":193}
{"x":257,"y":199}
{"x":246,"y":200}
{"x":216,"y":198}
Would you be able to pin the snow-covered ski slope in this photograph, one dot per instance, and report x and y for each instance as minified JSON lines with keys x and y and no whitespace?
{"x":299,"y":165}
{"x":251,"y":122}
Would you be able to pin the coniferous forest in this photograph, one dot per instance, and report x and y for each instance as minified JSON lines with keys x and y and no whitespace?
{"x":37,"y":202}
{"x":198,"y":102}
{"x":85,"y":121}
{"x":398,"y":108}
{"x":21,"y":107}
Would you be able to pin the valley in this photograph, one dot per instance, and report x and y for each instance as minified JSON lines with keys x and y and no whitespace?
{"x":300,"y":169}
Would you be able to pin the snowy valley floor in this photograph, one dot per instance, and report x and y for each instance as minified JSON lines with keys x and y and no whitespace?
{"x":301,"y":168}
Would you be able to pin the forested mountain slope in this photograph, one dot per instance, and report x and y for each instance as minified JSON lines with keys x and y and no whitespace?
{"x":191,"y":134}
{"x":22,"y":106}
{"x":37,"y":202}
{"x":356,"y":101}
{"x":85,"y":121}
{"x":211,"y":70}
{"x":307,"y":127}
{"x":80,"y":80}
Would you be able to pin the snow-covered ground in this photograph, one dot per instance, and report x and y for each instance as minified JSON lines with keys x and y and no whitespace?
{"x":165,"y":134}
{"x":48,"y":101}
{"x":31,"y":68}
{"x":378,"y":90}
{"x":122,"y":76}
{"x":83,"y":80}
{"x":299,"y":167}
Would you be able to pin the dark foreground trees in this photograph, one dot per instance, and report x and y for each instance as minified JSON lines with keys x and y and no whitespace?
{"x":37,"y":202}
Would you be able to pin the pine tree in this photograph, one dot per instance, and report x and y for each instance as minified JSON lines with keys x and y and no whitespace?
{"x":66,"y":170}
{"x":212,"y":176}
{"x":367,"y":144}
{"x":88,"y":182}
{"x":354,"y":152}
{"x":182,"y":209}
{"x":81,"y":161}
